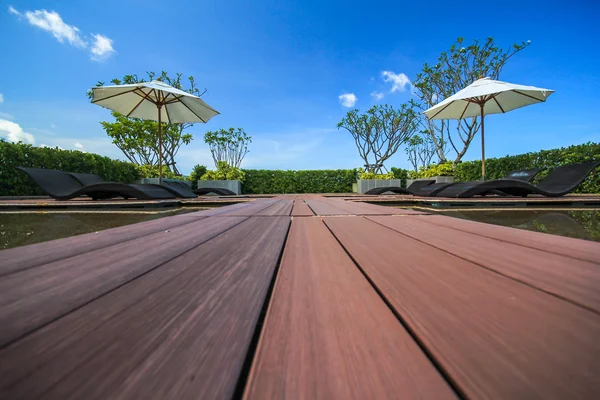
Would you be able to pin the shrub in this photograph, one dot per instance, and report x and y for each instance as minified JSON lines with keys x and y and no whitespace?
{"x":151,"y":171}
{"x":224,"y":171}
{"x":196,"y":174}
{"x":496,"y":168}
{"x":442,"y":169}
{"x":16,"y":183}
{"x":362,"y":174}
{"x":262,"y":181}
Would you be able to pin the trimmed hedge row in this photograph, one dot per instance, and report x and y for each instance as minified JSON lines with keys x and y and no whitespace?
{"x":15,"y":183}
{"x":496,"y":168}
{"x":264,"y":181}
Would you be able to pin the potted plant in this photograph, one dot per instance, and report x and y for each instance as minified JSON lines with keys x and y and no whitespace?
{"x":441,"y":173}
{"x":369,"y":180}
{"x":225,"y":177}
{"x":228,"y":148}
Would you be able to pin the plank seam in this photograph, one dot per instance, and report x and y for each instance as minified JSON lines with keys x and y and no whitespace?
{"x":436,"y":364}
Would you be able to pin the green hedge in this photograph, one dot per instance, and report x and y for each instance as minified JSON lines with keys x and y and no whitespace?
{"x":496,"y":168}
{"x":264,"y":181}
{"x":16,"y":183}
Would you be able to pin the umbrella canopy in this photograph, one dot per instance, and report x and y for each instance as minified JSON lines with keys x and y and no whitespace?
{"x":155,"y":101}
{"x":487,"y":96}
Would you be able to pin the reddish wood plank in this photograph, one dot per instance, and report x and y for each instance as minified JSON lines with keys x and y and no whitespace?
{"x":37,"y":296}
{"x":322,"y":206}
{"x":574,"y":248}
{"x":21,"y":258}
{"x":373,"y":209}
{"x":301,"y":209}
{"x":495,"y":337}
{"x":180,"y":332}
{"x":280,"y":207}
{"x":328,"y":335}
{"x":252,"y":208}
{"x":575,"y":280}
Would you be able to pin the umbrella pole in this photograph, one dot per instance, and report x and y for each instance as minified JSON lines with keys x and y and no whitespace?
{"x":159,"y":148}
{"x":482,"y":146}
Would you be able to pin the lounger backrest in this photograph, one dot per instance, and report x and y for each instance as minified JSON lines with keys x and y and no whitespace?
{"x":416,"y":185}
{"x":567,"y":177}
{"x":53,"y":182}
{"x":523,"y":174}
{"x":87,"y":179}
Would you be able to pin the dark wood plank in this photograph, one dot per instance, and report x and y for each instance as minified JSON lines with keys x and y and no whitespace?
{"x":281,"y":207}
{"x":301,"y":209}
{"x":180,"y":332}
{"x":22,"y":258}
{"x":39,"y":295}
{"x":324,"y":207}
{"x":574,"y":248}
{"x":572,"y":279}
{"x":359,"y":208}
{"x":252,"y":208}
{"x":328,"y":335}
{"x":493,"y":336}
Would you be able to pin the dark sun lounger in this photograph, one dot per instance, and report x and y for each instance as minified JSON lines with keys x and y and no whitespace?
{"x":416,"y":185}
{"x":62,"y":186}
{"x":173,"y":187}
{"x":560,"y":181}
{"x":525,"y":175}
{"x":218,"y":191}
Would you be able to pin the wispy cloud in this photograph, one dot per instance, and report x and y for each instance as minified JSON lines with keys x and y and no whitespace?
{"x":100,"y":47}
{"x":348,"y":99}
{"x":377,"y":96}
{"x":6,"y":116}
{"x":1,"y":98}
{"x":78,"y":146}
{"x":14,"y":133}
{"x":399,"y":81}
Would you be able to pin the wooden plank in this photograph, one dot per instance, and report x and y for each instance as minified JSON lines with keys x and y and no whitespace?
{"x":328,"y":335}
{"x":180,"y":332}
{"x":572,"y":279}
{"x":493,"y":336}
{"x":37,"y":296}
{"x":373,"y":209}
{"x":252,"y":209}
{"x":574,"y":248}
{"x":301,"y":209}
{"x":324,"y":207}
{"x":25,"y":257}
{"x":281,"y":207}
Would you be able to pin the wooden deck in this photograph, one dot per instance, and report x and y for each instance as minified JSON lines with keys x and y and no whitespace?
{"x":302,"y":297}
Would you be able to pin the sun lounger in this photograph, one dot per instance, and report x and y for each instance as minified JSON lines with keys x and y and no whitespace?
{"x":416,"y":185}
{"x":560,"y":181}
{"x":525,"y":175}
{"x":217,"y":191}
{"x":62,"y":186}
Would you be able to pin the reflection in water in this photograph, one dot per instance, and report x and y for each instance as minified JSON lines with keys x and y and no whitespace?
{"x":577,"y":224}
{"x":20,"y":229}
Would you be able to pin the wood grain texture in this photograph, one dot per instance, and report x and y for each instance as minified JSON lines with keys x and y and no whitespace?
{"x":36,"y":296}
{"x":495,"y":337}
{"x":180,"y":332}
{"x":25,"y":257}
{"x":574,"y":248}
{"x":301,"y":209}
{"x":373,"y":209}
{"x":328,"y":335}
{"x":572,"y":279}
{"x":280,"y":207}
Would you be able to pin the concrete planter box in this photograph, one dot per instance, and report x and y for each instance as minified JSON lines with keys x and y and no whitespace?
{"x":154,"y":181}
{"x":234,"y":186}
{"x":367,"y":184}
{"x":438,"y":179}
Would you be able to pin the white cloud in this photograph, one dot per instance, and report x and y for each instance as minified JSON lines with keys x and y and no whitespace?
{"x":377,"y":95}
{"x":399,"y":81}
{"x":348,"y":99}
{"x":6,"y":115}
{"x":101,"y":48}
{"x":1,"y":98}
{"x":50,"y":21}
{"x":14,"y":133}
{"x":78,"y":146}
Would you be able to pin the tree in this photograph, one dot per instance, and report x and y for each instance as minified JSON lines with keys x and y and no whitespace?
{"x":420,"y":150}
{"x":138,"y":139}
{"x":454,"y":70}
{"x":228,"y":145}
{"x":379,"y":132}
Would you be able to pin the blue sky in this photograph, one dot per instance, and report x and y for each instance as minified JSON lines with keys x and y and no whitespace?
{"x":278,"y":68}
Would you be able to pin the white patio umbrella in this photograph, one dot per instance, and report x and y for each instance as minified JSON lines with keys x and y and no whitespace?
{"x":155,"y":101}
{"x":487,"y":96}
